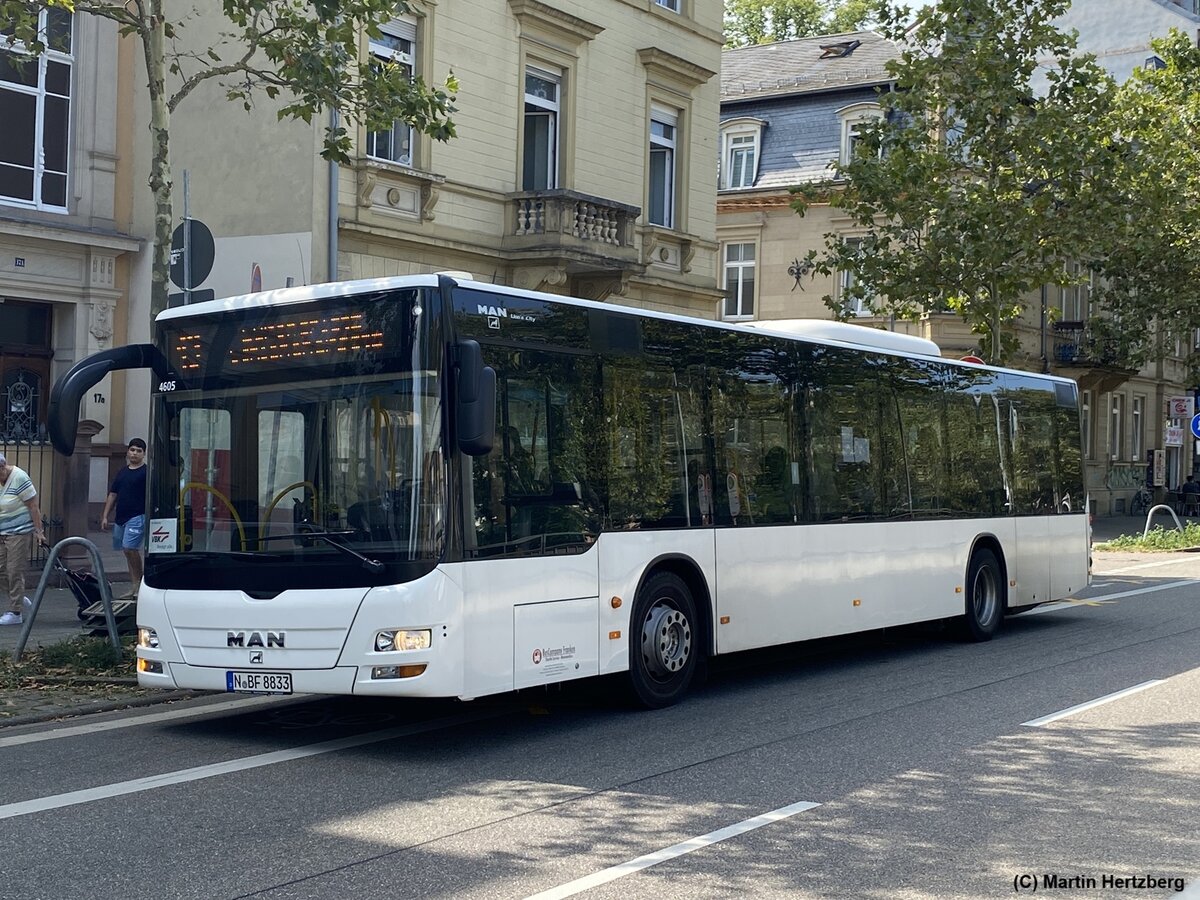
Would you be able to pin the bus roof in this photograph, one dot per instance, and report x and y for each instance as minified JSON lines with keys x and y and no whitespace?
{"x":823,"y":331}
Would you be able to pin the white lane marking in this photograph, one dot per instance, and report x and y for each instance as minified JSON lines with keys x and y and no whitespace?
{"x":1099,"y":701}
{"x":226,"y":706}
{"x":604,"y":876}
{"x":1150,"y":565}
{"x":1074,"y":603}
{"x":137,"y":785}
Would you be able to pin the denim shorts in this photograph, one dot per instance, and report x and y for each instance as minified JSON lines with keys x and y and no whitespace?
{"x":129,"y":535}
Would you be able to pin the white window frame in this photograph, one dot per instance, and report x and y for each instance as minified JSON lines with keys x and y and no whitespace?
{"x":1115,"y":436}
{"x":1086,"y":406}
{"x":664,"y":144}
{"x":742,"y":137}
{"x":851,"y":118}
{"x":551,"y":109}
{"x":40,"y":93}
{"x":401,"y":133}
{"x":673,"y":5}
{"x":846,"y":280}
{"x":738,"y":269}
{"x":1138,"y":423}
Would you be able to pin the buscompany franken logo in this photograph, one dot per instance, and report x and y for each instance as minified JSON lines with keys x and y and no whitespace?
{"x":254,"y":639}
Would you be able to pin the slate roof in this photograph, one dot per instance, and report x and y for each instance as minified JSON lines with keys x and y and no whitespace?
{"x":796,"y":67}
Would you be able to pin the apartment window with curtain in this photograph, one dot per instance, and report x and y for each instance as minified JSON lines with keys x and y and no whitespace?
{"x":1137,"y":439}
{"x":664,"y":126}
{"x":543,"y":107}
{"x":395,"y":45}
{"x":35,"y":112}
{"x":1115,"y":442}
{"x":738,"y":280}
{"x":740,"y":153}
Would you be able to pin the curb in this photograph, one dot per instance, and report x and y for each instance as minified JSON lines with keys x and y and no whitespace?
{"x":100,"y":706}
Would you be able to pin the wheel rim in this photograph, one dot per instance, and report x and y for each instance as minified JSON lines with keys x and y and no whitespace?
{"x":666,"y":640}
{"x":985,"y":596}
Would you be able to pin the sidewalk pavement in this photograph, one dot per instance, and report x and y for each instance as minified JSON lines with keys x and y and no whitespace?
{"x":115,"y":567}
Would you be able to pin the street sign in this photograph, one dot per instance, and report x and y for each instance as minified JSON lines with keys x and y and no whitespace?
{"x":1196,"y":426}
{"x":202,"y":249}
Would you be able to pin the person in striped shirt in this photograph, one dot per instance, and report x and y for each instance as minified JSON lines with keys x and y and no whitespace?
{"x":20,"y":523}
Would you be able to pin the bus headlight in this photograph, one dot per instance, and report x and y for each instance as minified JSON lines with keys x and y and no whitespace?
{"x":398,"y":639}
{"x":148,"y":638}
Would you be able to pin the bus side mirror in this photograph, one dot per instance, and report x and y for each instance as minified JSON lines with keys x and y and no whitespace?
{"x":63,"y":414}
{"x":476,"y":401}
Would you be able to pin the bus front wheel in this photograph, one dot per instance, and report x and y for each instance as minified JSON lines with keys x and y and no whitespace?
{"x":984,"y":596}
{"x":664,"y":641}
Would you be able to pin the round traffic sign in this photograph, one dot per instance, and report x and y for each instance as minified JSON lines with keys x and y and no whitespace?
{"x":1196,"y":426}
{"x":202,"y":249}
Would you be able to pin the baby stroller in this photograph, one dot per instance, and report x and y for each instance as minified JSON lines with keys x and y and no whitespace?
{"x":86,"y":588}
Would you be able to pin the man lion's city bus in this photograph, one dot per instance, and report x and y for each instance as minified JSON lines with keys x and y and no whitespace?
{"x":430,"y":486}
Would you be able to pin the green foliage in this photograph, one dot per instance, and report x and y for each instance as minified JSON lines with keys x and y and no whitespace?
{"x":1149,"y":261}
{"x":975,"y":186}
{"x":1157,"y":538}
{"x":87,"y":655}
{"x":765,"y":21}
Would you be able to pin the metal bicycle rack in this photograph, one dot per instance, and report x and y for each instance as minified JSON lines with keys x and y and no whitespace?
{"x":105,"y":593}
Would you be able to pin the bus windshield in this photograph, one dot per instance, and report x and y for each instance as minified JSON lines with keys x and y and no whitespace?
{"x":294,"y":436}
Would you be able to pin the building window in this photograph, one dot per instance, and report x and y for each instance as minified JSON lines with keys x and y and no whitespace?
{"x":848,"y":280}
{"x":543,"y":98}
{"x":738,"y":281}
{"x":1075,"y":298}
{"x":35,"y":107}
{"x":1086,"y":413}
{"x":740,"y":141}
{"x":395,"y":45}
{"x":852,"y":119}
{"x":1137,"y":439}
{"x":1115,"y":443}
{"x":672,"y":5}
{"x":664,"y":125}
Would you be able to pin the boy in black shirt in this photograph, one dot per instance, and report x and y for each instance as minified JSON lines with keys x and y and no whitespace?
{"x":128,"y":495}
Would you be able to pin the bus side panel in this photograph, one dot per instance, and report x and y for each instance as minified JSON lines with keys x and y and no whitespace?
{"x":1069,"y":551}
{"x":624,"y":556}
{"x":787,"y":584}
{"x":493,"y":588}
{"x":1031,"y":569}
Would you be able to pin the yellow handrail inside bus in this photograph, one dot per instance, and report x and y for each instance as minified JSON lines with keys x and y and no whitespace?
{"x":199,"y":486}
{"x":275,"y":500}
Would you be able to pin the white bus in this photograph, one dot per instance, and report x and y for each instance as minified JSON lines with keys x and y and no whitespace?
{"x":431,"y":487}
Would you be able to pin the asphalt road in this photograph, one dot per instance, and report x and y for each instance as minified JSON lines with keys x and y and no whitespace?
{"x":897,"y":765}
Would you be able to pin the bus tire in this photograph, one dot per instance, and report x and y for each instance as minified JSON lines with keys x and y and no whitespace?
{"x":664,"y":641}
{"x":984,"y":596}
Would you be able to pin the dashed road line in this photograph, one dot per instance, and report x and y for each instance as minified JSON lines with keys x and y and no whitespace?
{"x":1091,"y":704}
{"x":604,"y":876}
{"x":197,"y":773}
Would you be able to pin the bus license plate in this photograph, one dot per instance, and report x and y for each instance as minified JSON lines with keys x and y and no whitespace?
{"x":258,"y":682}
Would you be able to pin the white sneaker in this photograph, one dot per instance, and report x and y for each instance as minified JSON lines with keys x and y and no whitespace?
{"x":10,"y":618}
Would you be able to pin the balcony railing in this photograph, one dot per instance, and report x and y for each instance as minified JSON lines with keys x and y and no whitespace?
{"x":571,"y":219}
{"x":1075,"y":345}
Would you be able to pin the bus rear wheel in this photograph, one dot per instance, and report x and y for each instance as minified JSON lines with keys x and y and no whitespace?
{"x":984,"y":596}
{"x":664,"y":641}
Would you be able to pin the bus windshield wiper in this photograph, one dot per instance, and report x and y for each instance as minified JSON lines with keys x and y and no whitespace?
{"x":371,"y":565}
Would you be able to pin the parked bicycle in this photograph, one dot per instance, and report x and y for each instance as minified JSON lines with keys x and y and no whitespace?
{"x":1141,"y":502}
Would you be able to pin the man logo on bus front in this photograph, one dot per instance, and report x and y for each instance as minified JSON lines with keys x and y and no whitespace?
{"x":537,"y":656}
